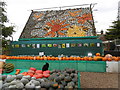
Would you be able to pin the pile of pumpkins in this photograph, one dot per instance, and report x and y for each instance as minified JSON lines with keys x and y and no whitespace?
{"x":33,"y":72}
{"x":97,"y":57}
{"x":59,"y":79}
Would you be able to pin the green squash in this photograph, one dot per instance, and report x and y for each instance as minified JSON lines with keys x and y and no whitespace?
{"x":37,"y":83}
{"x":19,"y":85}
{"x":67,"y":79}
{"x":24,"y":81}
{"x":19,"y":76}
{"x":30,"y":86}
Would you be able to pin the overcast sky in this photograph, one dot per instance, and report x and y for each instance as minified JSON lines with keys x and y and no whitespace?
{"x":18,"y":11}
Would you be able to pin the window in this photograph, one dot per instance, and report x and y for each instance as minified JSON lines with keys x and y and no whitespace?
{"x":49,"y":45}
{"x":55,"y":45}
{"x":17,"y":46}
{"x":63,"y":45}
{"x":80,"y":45}
{"x":59,"y":45}
{"x":67,"y":45}
{"x":86,"y":44}
{"x":73,"y":45}
{"x":43,"y":45}
{"x":38,"y":45}
{"x":33,"y":45}
{"x":98,"y":44}
{"x":23,"y":45}
{"x":92,"y":44}
{"x":28,"y":45}
{"x":13,"y":46}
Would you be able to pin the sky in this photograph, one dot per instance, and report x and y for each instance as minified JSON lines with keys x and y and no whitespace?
{"x":18,"y":11}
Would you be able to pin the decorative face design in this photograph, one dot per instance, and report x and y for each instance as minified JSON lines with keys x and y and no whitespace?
{"x":75,"y":31}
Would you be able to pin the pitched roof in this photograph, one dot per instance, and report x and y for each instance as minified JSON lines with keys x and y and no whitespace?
{"x":59,"y":23}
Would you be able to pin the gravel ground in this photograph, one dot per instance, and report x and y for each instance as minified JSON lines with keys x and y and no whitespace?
{"x":99,"y":80}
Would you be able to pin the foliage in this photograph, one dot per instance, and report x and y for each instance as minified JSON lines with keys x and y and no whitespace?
{"x":5,"y":31}
{"x":114,"y":31}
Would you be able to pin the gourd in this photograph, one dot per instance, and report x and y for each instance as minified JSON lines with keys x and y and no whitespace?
{"x":31,"y":71}
{"x":24,"y":81}
{"x":38,"y":71}
{"x":45,"y":85}
{"x":30,"y":74}
{"x":19,"y":76}
{"x":37,"y":83}
{"x":47,"y":71}
{"x":72,"y":75}
{"x":108,"y":56}
{"x":61,"y":77}
{"x":75,"y":80}
{"x":63,"y":83}
{"x":36,"y":76}
{"x":34,"y":69}
{"x":6,"y":85}
{"x":69,"y":87}
{"x":97,"y":54}
{"x":37,"y":87}
{"x":4,"y":77}
{"x":75,"y":86}
{"x":8,"y":67}
{"x":30,"y":85}
{"x":55,"y":85}
{"x":17,"y":71}
{"x":13,"y":82}
{"x":0,"y":77}
{"x":12,"y":86}
{"x":57,"y":79}
{"x":40,"y":75}
{"x":67,"y":79}
{"x":9,"y":79}
{"x":27,"y":77}
{"x":71,"y":84}
{"x":19,"y":85}
{"x":60,"y":86}
{"x":46,"y":75}
{"x":41,"y":80}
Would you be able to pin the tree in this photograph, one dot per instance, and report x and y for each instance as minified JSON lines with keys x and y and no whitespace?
{"x":114,"y":31}
{"x":5,"y":32}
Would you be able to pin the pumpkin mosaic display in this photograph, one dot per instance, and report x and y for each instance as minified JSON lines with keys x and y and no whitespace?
{"x":59,"y":23}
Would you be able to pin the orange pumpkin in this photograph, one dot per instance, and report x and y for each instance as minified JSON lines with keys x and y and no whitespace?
{"x":90,"y":58}
{"x":116,"y":59}
{"x":75,"y":58}
{"x":81,"y":58}
{"x":37,"y":58}
{"x":97,"y":54}
{"x":44,"y":57}
{"x":41,"y":58}
{"x":109,"y":59}
{"x":78,"y":58}
{"x":86,"y":58}
{"x":56,"y":58}
{"x":71,"y":58}
{"x":95,"y":58}
{"x":48,"y":57}
{"x":53,"y":58}
{"x":63,"y":58}
{"x":104,"y":59}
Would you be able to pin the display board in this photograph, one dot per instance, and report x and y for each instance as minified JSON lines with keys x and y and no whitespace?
{"x":68,"y":46}
{"x":59,"y":23}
